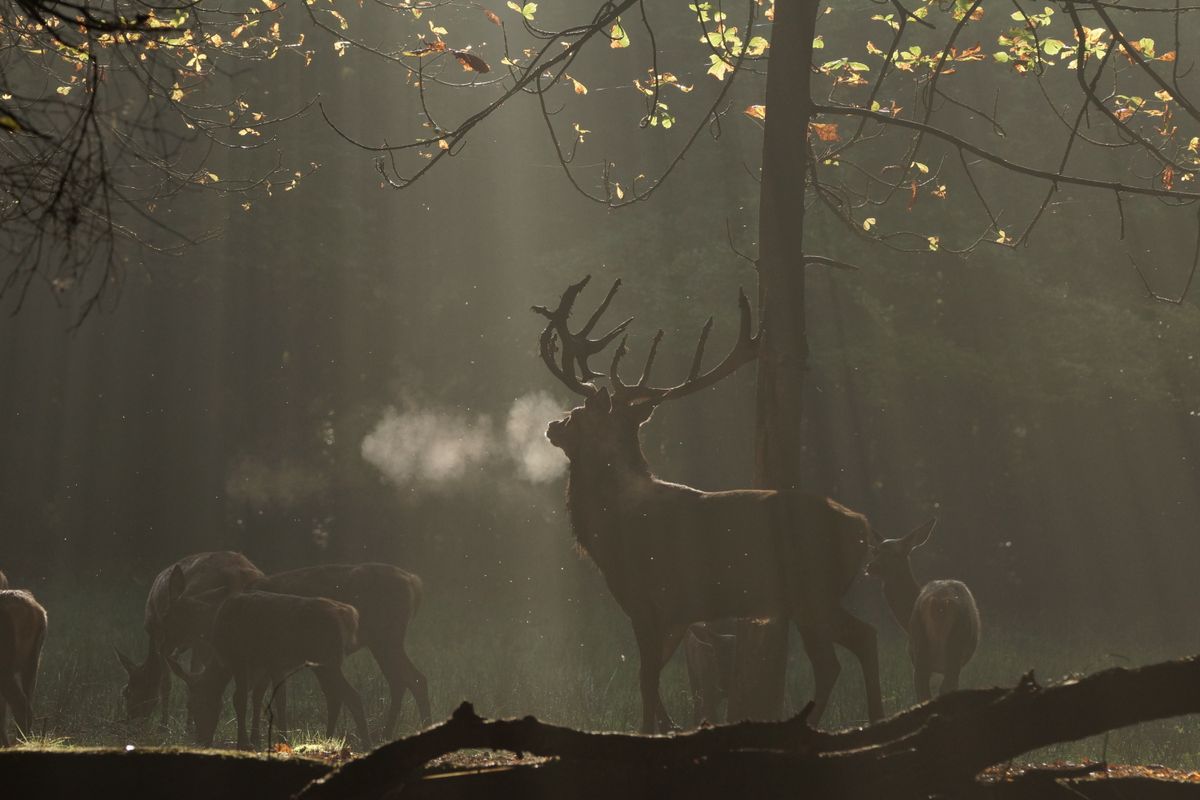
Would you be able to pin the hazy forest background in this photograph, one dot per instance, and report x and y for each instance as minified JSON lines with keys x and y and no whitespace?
{"x":349,"y":373}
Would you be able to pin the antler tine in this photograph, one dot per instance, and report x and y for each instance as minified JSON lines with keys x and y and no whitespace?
{"x":699,"y":356}
{"x":619,"y":388}
{"x":596,"y":345}
{"x":650,"y":359}
{"x":599,"y":312}
{"x":576,"y":347}
{"x":745,"y":350}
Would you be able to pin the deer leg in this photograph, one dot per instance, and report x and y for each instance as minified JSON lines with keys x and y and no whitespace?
{"x":397,"y":686}
{"x":29,"y":673}
{"x":241,"y":692}
{"x":164,"y":689}
{"x":333,"y":698}
{"x":950,"y":679}
{"x":12,"y":694}
{"x":256,"y":719}
{"x":650,"y":647}
{"x":338,"y":690}
{"x":277,"y":705}
{"x":419,"y":686}
{"x":670,"y":644}
{"x":921,"y":678}
{"x":819,"y":647}
{"x":401,"y":673}
{"x":860,"y":639}
{"x":702,"y":676}
{"x":3,"y":722}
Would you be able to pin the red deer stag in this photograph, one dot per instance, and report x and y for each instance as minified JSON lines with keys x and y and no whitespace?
{"x":22,"y":631}
{"x":386,"y":598}
{"x":673,"y":555}
{"x":222,"y":573}
{"x":259,"y":637}
{"x":941,"y":618}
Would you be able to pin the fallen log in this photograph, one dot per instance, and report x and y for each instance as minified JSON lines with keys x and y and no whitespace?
{"x":936,"y":749}
{"x":150,"y":774}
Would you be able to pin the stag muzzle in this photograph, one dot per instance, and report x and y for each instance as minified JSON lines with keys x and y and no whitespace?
{"x":554,"y":432}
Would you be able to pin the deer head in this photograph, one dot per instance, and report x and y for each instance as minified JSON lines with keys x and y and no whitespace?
{"x":890,"y":556}
{"x":604,"y":429}
{"x":204,"y":694}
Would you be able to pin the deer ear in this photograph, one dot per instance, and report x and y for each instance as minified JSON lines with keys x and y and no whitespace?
{"x":920,"y":535}
{"x":600,"y":401}
{"x":176,"y":583}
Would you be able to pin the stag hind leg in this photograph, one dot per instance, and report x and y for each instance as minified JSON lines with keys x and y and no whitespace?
{"x":651,"y":643}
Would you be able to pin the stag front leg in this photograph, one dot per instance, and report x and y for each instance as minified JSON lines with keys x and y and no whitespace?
{"x":826,"y":667}
{"x":860,"y":639}
{"x":650,"y":642}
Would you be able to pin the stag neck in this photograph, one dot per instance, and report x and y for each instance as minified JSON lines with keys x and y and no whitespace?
{"x":596,"y":489}
{"x":900,"y":588}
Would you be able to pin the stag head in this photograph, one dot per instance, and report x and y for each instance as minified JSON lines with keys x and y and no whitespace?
{"x":606,"y":425}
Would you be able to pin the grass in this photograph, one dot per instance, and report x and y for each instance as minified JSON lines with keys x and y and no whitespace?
{"x":583,"y":676}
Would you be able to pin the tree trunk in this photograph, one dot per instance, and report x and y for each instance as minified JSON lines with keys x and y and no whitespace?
{"x":758,"y":690}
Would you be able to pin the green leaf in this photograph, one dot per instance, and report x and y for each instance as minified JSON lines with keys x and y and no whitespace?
{"x":527,"y":11}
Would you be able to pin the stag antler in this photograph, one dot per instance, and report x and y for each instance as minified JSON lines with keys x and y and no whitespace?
{"x":745,"y":349}
{"x":576,"y":347}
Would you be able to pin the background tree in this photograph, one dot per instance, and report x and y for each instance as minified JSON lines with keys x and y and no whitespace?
{"x":113,"y":117}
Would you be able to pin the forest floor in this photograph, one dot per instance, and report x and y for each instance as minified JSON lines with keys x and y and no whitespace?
{"x":554,"y":674}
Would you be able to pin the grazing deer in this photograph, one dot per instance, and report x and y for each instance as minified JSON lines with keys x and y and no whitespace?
{"x":170,"y":628}
{"x":386,"y":598}
{"x":259,"y":637}
{"x":941,"y":618}
{"x":709,"y":649}
{"x":22,"y":632}
{"x":673,"y":555}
